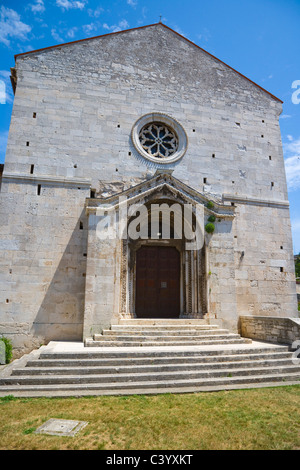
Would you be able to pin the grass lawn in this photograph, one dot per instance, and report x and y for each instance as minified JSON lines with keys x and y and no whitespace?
{"x":244,"y":419}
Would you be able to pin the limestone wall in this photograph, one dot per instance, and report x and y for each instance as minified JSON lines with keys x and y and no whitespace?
{"x":264,"y":269}
{"x":42,"y":263}
{"x":272,"y":329}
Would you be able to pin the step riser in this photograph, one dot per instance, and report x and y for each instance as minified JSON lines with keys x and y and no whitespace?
{"x":165,"y":338}
{"x":160,"y":343}
{"x":141,"y":353}
{"x":145,"y":369}
{"x":143,"y":387}
{"x":155,"y":361}
{"x":140,"y":388}
{"x":159,"y":381}
{"x":164,"y":377}
{"x":164,"y":328}
{"x":165,"y":333}
{"x":163,"y":321}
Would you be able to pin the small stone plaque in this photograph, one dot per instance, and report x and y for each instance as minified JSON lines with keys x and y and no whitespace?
{"x":61,"y":427}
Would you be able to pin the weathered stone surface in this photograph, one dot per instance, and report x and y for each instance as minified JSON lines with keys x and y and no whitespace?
{"x":273,"y":329}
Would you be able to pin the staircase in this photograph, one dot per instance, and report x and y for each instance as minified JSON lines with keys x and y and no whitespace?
{"x":164,"y":333}
{"x":150,"y":357}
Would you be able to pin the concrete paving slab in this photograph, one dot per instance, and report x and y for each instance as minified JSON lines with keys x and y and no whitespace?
{"x":61,"y":427}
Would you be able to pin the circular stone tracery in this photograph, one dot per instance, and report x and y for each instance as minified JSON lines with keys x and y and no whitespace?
{"x":158,"y":140}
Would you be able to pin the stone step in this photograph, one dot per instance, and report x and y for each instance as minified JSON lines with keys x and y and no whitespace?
{"x":150,"y":368}
{"x":105,"y":342}
{"x":163,"y":321}
{"x":163,"y":327}
{"x":163,"y":332}
{"x":105,"y":371}
{"x":152,"y":353}
{"x":164,"y":379}
{"x":156,"y":360}
{"x":162,"y":338}
{"x":151,"y":387}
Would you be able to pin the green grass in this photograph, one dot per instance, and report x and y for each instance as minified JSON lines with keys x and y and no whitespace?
{"x":243,"y":419}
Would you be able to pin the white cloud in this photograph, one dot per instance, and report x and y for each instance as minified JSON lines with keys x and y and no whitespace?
{"x":132,"y":3}
{"x":292,"y":163}
{"x":11,"y":26}
{"x":3,"y":144}
{"x":285,"y":116}
{"x":204,"y":35}
{"x":177,"y":29}
{"x":37,"y":7}
{"x":296,"y":234}
{"x":6,"y":91}
{"x":123,"y":24}
{"x":268,"y":78}
{"x":71,"y":32}
{"x":5,"y":74}
{"x":56,"y":36}
{"x":71,"y":4}
{"x":26,"y":48}
{"x":292,"y":169}
{"x":63,"y":34}
{"x":95,"y":13}
{"x":90,"y":29}
{"x":292,"y":147}
{"x":2,"y":92}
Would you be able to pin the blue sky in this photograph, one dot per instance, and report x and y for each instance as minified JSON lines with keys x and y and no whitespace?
{"x":259,"y":38}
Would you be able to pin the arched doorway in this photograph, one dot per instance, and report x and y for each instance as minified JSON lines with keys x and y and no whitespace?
{"x":161,"y":276}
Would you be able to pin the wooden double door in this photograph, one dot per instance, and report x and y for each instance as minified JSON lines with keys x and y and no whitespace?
{"x":157,"y":282}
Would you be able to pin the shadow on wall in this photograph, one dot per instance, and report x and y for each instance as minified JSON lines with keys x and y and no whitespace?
{"x":1,"y":172}
{"x":60,"y":316}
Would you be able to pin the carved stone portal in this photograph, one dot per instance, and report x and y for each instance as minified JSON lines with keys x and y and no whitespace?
{"x":163,"y":214}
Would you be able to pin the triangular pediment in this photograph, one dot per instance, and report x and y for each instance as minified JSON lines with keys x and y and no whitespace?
{"x":163,"y":186}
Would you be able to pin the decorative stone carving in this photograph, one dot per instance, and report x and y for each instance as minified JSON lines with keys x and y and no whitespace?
{"x":159,"y":138}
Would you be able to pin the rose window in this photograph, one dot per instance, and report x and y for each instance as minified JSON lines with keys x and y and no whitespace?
{"x":158,"y":140}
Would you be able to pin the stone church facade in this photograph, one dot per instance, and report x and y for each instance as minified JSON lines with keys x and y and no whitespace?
{"x":104,"y":127}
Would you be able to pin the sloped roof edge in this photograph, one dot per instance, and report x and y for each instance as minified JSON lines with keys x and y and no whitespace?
{"x":143,"y":27}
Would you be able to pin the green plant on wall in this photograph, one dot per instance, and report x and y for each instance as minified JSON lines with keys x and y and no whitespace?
{"x":210,"y":205}
{"x":297,"y":266}
{"x":210,"y":228}
{"x":8,"y":349}
{"x":211,"y":219}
